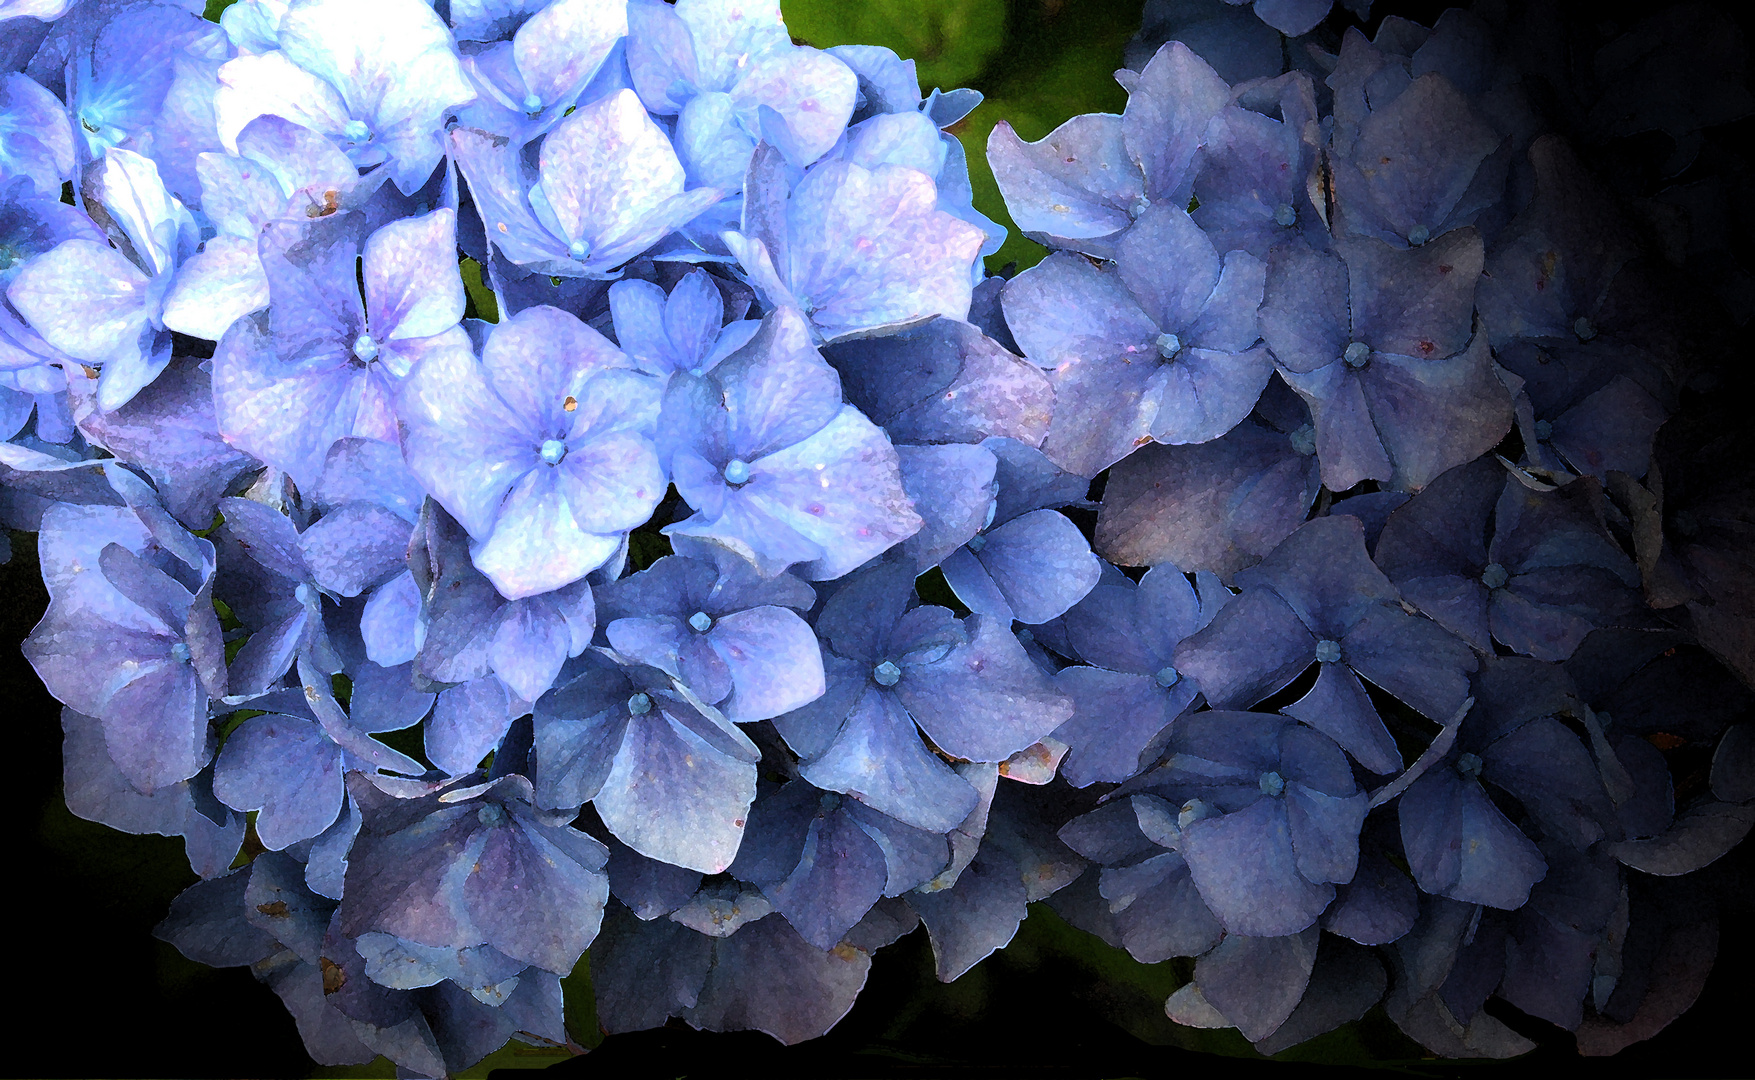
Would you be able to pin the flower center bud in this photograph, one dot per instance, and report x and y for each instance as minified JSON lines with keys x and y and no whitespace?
{"x":357,"y":131}
{"x":491,"y":814}
{"x":302,"y":594}
{"x":365,"y":348}
{"x":1192,"y":811}
{"x":737,"y":471}
{"x":1356,"y":355}
{"x":553,"y":450}
{"x":1169,"y":345}
{"x":701,"y":621}
{"x":180,"y":653}
{"x":1285,"y":216}
{"x":578,"y":249}
{"x":1584,"y":329}
{"x":1024,"y":636}
{"x":1418,"y":235}
{"x":1272,"y":783}
{"x":1544,"y":430}
{"x":886,"y":674}
{"x":1495,"y":576}
{"x":639,"y":705}
{"x":1168,"y":677}
{"x":1469,"y":765}
{"x":1328,"y":650}
{"x":532,"y":104}
{"x":977,"y":542}
{"x":1303,"y":439}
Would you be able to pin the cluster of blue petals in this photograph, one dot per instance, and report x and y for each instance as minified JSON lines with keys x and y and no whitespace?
{"x":515,"y":477}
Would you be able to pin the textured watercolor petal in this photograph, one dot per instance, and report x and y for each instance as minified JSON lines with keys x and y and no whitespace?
{"x":537,"y":543}
{"x":871,"y":249}
{"x":562,"y":46}
{"x":1115,"y":716}
{"x":222,"y":283}
{"x":1219,"y":506}
{"x":1065,"y":308}
{"x":1088,"y":197}
{"x":775,"y":662}
{"x":85,"y":299}
{"x":286,"y":769}
{"x":1244,"y":865}
{"x":1459,"y":845}
{"x":538,"y":893}
{"x":672,"y":796}
{"x":412,"y":287}
{"x":985,"y":700}
{"x":395,"y":65}
{"x":1168,"y":116}
{"x":270,"y":84}
{"x":1255,"y":645}
{"x":1041,"y":562}
{"x":878,"y":759}
{"x":467,"y":722}
{"x":812,"y":91}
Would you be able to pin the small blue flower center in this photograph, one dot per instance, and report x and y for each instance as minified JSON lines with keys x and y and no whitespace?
{"x":357,"y":131}
{"x":1285,"y":216}
{"x":1192,"y":811}
{"x":1169,"y":345}
{"x":1167,"y":677}
{"x":1495,"y":576}
{"x":365,"y":348}
{"x":1328,"y":650}
{"x":886,"y":674}
{"x":639,"y":705}
{"x":1303,"y":439}
{"x":1356,"y":355}
{"x":553,"y":450}
{"x":180,"y":653}
{"x":1469,"y":765}
{"x":1418,"y":235}
{"x":1024,"y":636}
{"x":1584,"y":329}
{"x":491,"y":814}
{"x":578,"y":249}
{"x":532,"y":103}
{"x":701,"y":621}
{"x":977,"y":542}
{"x":1272,"y":783}
{"x":1544,"y":430}
{"x":737,"y":471}
{"x":302,"y":594}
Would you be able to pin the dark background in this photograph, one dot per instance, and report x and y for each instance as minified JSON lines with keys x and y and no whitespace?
{"x":96,"y":995}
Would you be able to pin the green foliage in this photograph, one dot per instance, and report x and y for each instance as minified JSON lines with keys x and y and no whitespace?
{"x":216,"y":8}
{"x":950,"y":41}
{"x":481,"y":302}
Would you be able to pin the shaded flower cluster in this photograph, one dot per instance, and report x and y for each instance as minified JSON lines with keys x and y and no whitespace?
{"x":522,"y":477}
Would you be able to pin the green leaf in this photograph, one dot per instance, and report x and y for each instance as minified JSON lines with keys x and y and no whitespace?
{"x":482,"y":304}
{"x":950,"y":41}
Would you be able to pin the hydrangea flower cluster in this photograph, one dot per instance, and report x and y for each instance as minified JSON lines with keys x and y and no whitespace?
{"x":515,"y":477}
